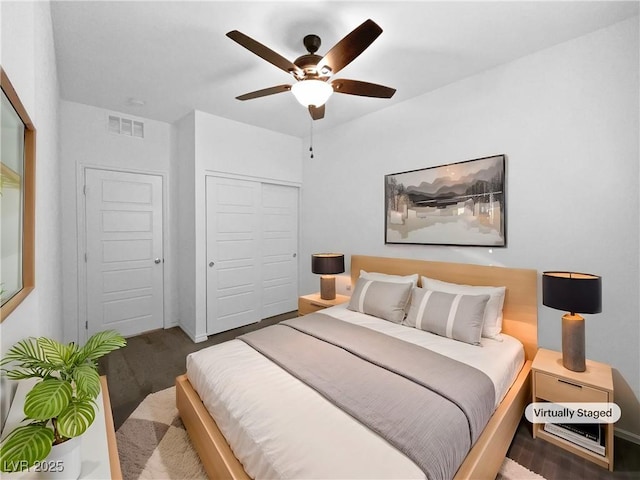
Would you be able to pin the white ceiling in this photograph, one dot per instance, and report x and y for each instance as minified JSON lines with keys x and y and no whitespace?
{"x":176,"y":58}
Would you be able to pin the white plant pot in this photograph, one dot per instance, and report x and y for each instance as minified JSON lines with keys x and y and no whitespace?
{"x":63,"y":463}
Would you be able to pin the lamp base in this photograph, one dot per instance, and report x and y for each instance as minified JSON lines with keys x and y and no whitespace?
{"x":573,"y":343}
{"x":328,"y":287}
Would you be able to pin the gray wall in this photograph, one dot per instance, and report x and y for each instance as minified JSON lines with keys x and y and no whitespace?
{"x":567,"y":119}
{"x":86,"y":142}
{"x":208,"y":144}
{"x":28,"y":58}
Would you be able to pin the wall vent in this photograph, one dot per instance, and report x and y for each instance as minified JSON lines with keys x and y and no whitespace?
{"x":125,"y":126}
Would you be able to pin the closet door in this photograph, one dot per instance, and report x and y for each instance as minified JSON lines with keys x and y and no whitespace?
{"x":279,"y":249}
{"x":234,"y":260}
{"x":252,"y":250}
{"x":124,"y":260}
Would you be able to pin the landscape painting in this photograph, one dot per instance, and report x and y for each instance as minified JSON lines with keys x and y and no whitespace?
{"x":457,"y":204}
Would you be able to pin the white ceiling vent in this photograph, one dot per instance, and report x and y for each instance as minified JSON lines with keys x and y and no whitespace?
{"x":125,"y":126}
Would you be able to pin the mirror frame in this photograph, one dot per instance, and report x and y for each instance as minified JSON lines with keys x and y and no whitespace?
{"x":29,"y":197}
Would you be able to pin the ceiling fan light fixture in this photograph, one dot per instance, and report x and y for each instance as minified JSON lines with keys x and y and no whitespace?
{"x":312,"y":92}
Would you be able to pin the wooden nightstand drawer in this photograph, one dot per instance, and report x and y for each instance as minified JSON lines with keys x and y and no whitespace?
{"x":554,"y":389}
{"x":307,"y":306}
{"x":312,"y":303}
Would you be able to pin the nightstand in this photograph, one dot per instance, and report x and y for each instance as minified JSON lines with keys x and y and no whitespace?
{"x":313,"y":303}
{"x":554,"y":383}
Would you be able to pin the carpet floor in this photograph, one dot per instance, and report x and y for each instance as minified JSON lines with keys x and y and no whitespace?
{"x":153,"y":444}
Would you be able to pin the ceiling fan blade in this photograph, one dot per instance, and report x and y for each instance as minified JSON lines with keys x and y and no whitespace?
{"x":264,"y":52}
{"x":347,"y":49}
{"x":264,"y":92}
{"x":317,"y":113}
{"x":364,"y":89}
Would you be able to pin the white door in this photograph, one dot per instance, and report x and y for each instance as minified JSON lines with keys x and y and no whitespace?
{"x":233,"y":253}
{"x":252,"y":241}
{"x":279,"y":249}
{"x":123,"y":221}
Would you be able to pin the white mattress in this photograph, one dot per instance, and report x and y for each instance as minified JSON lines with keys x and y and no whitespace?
{"x":280,"y":428}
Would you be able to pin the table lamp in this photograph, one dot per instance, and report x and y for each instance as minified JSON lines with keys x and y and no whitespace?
{"x":327,"y":265}
{"x":575,"y":293}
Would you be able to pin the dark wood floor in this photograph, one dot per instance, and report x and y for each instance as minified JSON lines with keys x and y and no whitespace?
{"x":151,"y":362}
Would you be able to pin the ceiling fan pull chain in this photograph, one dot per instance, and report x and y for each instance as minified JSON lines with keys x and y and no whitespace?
{"x":311,"y":139}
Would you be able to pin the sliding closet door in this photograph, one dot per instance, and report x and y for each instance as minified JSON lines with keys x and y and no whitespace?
{"x":234,"y":261}
{"x":279,"y":249}
{"x":252,"y":242}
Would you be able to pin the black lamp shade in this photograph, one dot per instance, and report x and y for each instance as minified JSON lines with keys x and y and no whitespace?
{"x":572,"y":292}
{"x":327,"y":263}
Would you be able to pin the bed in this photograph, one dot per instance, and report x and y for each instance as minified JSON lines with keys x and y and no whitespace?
{"x":482,"y":461}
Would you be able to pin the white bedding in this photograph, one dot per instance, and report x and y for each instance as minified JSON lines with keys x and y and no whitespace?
{"x":280,"y":428}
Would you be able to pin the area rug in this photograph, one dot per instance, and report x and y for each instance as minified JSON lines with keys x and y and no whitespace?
{"x":153,"y":444}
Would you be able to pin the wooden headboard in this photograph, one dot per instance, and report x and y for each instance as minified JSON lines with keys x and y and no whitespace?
{"x":520,"y":310}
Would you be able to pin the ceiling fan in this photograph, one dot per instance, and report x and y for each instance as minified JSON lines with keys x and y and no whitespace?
{"x":312,"y":72}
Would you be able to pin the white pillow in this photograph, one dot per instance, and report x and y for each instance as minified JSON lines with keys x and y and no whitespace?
{"x":492,"y":325}
{"x":383,"y":277}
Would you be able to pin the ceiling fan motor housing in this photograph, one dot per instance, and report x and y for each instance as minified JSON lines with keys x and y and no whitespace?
{"x":308,"y":63}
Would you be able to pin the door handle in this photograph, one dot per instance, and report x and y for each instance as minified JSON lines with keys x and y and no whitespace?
{"x":157,"y":260}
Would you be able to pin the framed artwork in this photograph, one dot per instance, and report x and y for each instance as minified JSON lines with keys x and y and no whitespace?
{"x":17,"y":200}
{"x":460,"y":204}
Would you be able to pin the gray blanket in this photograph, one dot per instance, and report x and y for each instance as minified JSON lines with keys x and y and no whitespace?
{"x":426,"y":405}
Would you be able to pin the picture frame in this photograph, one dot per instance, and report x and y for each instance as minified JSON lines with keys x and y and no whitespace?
{"x":457,"y":204}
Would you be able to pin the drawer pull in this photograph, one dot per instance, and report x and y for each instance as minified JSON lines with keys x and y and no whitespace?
{"x":569,"y":383}
{"x":317,"y":305}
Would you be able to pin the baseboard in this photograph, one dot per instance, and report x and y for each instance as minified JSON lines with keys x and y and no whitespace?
{"x":626,"y":435}
{"x":194,"y":338}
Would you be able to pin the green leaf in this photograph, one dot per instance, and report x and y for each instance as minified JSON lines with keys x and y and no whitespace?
{"x":55,"y":352}
{"x":30,"y":360}
{"x":25,"y":446}
{"x":102,"y":343}
{"x":87,"y":381}
{"x":22,"y":374}
{"x":25,"y":351}
{"x":47,"y":399}
{"x":76,"y":418}
{"x":74,"y":350}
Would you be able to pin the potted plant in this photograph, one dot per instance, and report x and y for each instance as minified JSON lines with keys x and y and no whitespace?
{"x":59,"y":407}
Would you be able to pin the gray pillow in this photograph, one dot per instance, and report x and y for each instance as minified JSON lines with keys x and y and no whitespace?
{"x":450,"y":315}
{"x":492,"y":315}
{"x":381,"y":299}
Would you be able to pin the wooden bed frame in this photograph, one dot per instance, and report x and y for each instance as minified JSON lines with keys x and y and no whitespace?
{"x":484,"y":460}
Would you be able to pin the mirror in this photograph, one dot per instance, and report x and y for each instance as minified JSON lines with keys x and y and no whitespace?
{"x":17,"y":163}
